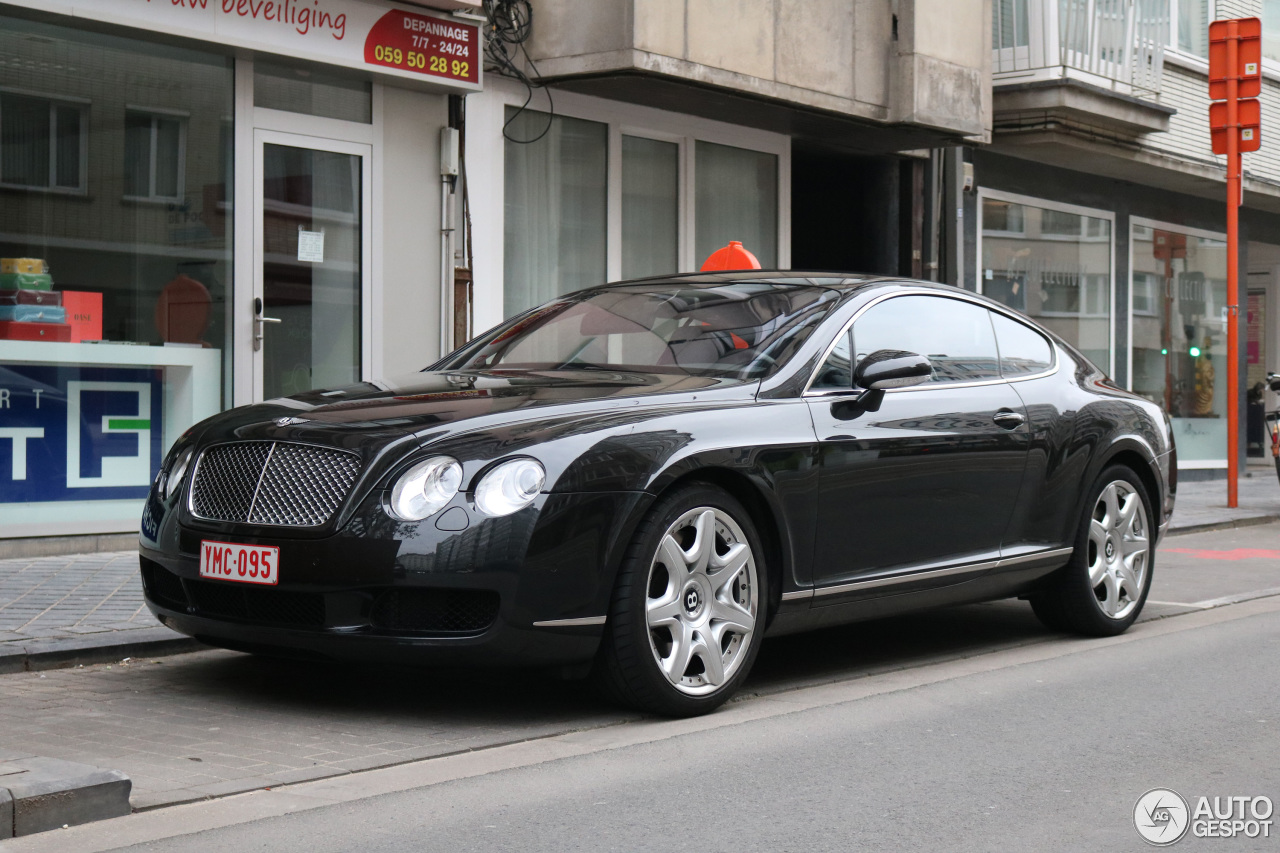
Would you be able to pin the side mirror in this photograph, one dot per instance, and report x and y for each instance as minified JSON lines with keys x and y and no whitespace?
{"x":887,"y":368}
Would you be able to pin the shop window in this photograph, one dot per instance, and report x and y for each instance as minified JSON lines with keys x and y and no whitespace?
{"x":736,"y":199}
{"x":1179,"y":335}
{"x":650,"y":207}
{"x":42,"y":143}
{"x":312,"y":91}
{"x":1002,"y":216}
{"x":555,"y":207}
{"x":136,"y":294}
{"x":154,"y":155}
{"x":1055,"y":269}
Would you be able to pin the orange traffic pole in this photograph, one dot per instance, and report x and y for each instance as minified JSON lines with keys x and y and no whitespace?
{"x":1234,"y":192}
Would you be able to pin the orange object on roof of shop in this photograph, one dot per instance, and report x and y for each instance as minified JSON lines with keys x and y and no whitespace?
{"x":731,"y":257}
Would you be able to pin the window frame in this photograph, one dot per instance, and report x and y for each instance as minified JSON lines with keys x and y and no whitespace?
{"x":1155,"y":224}
{"x":81,"y":105}
{"x":155,"y":114}
{"x":811,"y":392}
{"x":1096,"y":213}
{"x":486,"y":116}
{"x":1171,"y":49}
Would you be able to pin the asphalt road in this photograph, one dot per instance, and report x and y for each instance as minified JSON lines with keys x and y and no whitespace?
{"x":1021,"y":743}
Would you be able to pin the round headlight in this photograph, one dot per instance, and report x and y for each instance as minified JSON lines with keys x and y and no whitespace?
{"x":509,"y":487}
{"x":171,"y":482}
{"x":425,"y":488}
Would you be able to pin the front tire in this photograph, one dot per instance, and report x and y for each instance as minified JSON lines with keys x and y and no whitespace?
{"x":1101,"y":591}
{"x":689,"y":606}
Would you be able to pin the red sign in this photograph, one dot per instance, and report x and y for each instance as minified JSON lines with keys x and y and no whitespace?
{"x":1248,"y":68}
{"x":84,"y":313}
{"x":1249,"y":118}
{"x":425,"y":45}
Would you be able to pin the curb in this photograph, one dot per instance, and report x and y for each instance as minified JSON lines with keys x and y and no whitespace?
{"x":38,"y":794}
{"x":93,"y":648}
{"x":1231,"y":524}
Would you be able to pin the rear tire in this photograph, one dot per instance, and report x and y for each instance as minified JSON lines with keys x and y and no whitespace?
{"x":1103,"y":588}
{"x":689,"y":607}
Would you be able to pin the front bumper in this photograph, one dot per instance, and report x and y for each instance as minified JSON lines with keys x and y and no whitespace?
{"x":384,"y":591}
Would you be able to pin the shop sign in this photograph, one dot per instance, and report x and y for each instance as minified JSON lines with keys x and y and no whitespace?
{"x":364,"y":34}
{"x":78,"y":433}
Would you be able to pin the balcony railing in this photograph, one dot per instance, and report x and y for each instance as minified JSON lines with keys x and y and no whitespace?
{"x":1115,"y":44}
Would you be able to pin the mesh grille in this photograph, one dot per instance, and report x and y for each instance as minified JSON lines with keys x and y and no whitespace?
{"x":163,"y":586}
{"x":264,"y":606}
{"x":435,"y":611}
{"x":264,"y":482}
{"x":226,"y":478}
{"x":303,"y":485}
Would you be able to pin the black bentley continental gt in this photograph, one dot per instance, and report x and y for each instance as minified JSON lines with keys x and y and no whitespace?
{"x":642,"y":480}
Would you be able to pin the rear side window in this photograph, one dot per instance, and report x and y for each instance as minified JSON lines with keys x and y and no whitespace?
{"x":1023,"y":351}
{"x":955,"y":335}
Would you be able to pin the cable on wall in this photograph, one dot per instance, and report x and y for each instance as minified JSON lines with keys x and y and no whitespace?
{"x":510,"y":22}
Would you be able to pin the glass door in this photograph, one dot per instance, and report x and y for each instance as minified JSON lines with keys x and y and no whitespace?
{"x":311,"y":262}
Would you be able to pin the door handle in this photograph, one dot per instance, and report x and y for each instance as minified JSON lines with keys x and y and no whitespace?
{"x":259,"y":323}
{"x":1009,"y":419}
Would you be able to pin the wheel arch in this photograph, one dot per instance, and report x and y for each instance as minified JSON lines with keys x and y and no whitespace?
{"x":1135,"y":455}
{"x":766,"y":521}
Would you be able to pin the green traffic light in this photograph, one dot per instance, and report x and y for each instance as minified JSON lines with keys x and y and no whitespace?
{"x":1164,"y":352}
{"x":1195,"y":352}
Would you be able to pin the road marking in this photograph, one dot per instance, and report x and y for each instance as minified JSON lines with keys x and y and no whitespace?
{"x":1233,"y":554}
{"x":191,"y":818}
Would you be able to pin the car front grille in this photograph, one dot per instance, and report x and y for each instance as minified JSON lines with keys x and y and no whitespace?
{"x":271,"y":482}
{"x":163,"y":586}
{"x":263,"y":606}
{"x":434,"y":611}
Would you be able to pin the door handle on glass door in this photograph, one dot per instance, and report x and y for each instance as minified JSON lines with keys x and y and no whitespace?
{"x":258,"y":321}
{"x":1008,"y":419}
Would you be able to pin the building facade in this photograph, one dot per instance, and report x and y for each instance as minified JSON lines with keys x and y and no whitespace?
{"x":204,"y":203}
{"x":1101,"y":207}
{"x":234,"y":201}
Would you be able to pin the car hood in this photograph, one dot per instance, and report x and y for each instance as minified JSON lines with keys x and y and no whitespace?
{"x":430,"y":405}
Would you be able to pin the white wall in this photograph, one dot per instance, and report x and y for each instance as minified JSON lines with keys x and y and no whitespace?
{"x":407,"y":312}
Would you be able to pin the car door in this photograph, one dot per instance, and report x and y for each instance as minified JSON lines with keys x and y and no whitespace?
{"x":929,"y":480}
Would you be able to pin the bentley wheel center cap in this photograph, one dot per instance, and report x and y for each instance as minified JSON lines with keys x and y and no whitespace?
{"x":692,"y":601}
{"x":1111,"y":549}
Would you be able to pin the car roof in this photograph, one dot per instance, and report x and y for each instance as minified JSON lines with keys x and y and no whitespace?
{"x":842,"y":281}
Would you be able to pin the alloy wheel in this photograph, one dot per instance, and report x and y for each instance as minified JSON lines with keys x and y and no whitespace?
{"x":1119,"y":549}
{"x":702,"y":602}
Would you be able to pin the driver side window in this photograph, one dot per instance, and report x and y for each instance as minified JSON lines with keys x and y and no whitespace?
{"x":955,"y":335}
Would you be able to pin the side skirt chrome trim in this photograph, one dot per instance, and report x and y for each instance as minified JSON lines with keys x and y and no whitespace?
{"x":968,"y":568}
{"x":571,"y":623}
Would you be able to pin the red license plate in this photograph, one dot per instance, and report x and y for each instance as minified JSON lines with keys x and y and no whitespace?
{"x":227,"y":561}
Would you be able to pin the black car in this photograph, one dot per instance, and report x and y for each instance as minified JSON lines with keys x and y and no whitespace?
{"x":641,"y":480}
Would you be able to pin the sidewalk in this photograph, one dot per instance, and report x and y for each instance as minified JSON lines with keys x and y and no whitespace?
{"x":86,"y":608}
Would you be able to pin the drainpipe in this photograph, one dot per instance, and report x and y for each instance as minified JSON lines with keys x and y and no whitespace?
{"x":448,"y":176}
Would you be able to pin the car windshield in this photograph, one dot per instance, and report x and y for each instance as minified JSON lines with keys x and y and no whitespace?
{"x":737,"y":329}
